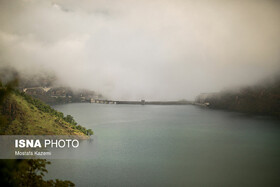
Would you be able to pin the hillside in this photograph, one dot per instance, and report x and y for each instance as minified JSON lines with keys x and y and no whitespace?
{"x":259,"y":99}
{"x":23,"y":115}
{"x":59,"y":95}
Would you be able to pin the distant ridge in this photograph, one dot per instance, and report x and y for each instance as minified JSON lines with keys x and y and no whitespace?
{"x":260,"y":99}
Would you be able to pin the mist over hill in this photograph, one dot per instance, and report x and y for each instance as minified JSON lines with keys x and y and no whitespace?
{"x":45,"y":86}
{"x":259,"y":99}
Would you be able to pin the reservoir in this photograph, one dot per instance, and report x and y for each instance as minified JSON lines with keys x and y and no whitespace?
{"x":154,"y":145}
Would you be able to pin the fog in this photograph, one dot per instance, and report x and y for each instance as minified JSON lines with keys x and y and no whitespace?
{"x":148,"y":49}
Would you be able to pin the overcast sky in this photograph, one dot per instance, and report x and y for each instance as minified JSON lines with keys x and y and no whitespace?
{"x":144,"y":49}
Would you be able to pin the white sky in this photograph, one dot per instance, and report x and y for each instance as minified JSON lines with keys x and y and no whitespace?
{"x":148,"y":49}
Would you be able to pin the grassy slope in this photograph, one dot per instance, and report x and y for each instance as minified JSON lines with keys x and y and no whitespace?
{"x":29,"y":120}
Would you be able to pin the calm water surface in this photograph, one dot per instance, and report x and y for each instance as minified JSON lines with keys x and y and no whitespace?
{"x":173,"y":146}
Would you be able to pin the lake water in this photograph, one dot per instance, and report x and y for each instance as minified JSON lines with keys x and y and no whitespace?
{"x":173,"y":146}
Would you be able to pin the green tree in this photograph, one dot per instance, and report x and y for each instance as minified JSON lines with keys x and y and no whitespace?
{"x":89,"y":132}
{"x":27,"y":173}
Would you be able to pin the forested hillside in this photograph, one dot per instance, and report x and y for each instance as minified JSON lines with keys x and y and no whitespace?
{"x":21,"y":114}
{"x":260,"y":99}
